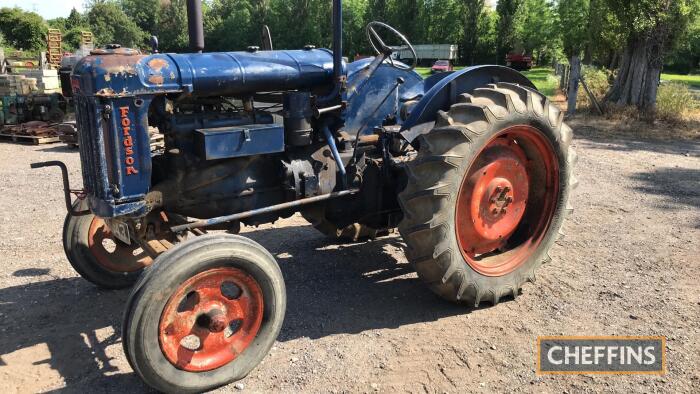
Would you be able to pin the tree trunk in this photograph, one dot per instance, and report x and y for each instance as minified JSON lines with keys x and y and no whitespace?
{"x":473,"y":10}
{"x":638,"y":79}
{"x":614,"y":59}
{"x":573,"y":85}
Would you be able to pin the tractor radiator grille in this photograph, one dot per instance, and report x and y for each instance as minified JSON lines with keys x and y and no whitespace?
{"x":92,"y":149}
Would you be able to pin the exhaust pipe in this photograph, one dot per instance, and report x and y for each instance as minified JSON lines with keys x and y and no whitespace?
{"x":195,"y":25}
{"x":337,"y":40}
{"x":338,"y":77}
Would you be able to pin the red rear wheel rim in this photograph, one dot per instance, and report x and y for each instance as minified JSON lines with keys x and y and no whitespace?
{"x":507,"y":200}
{"x":118,"y":257}
{"x":211,"y":319}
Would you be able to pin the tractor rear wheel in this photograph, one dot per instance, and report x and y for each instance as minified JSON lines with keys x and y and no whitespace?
{"x":99,"y":257}
{"x":204,"y":314}
{"x":487,"y":194}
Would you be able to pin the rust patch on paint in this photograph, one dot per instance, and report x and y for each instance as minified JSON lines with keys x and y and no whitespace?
{"x":106,"y":92}
{"x":156,"y":79}
{"x":157,"y":64}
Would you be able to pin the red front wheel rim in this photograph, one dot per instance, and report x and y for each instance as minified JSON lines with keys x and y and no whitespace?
{"x":507,"y":200}
{"x":211,"y":319}
{"x":118,"y":257}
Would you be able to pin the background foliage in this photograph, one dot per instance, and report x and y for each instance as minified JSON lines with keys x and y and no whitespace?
{"x":547,"y":29}
{"x":603,"y":33}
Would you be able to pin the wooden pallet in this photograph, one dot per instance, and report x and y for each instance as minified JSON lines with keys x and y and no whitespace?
{"x":29,"y":139}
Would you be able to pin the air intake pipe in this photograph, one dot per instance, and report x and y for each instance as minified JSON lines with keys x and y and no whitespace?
{"x":338,"y":77}
{"x":195,"y":25}
{"x":338,"y":39}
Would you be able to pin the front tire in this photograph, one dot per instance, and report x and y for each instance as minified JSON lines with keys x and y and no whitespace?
{"x":205,"y":314}
{"x":97,"y":256}
{"x":487,"y":194}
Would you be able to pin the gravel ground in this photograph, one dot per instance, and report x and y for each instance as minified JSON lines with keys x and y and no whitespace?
{"x":358,"y":319}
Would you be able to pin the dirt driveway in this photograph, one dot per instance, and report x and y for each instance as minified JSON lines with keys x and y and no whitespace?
{"x":358,"y":319}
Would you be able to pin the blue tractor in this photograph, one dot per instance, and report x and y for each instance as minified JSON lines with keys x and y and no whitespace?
{"x":473,"y":167}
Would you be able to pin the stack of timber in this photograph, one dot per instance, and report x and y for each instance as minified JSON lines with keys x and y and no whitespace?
{"x":46,"y":81}
{"x":30,"y":82}
{"x":16,"y":85}
{"x":55,"y":53}
{"x":35,"y":132}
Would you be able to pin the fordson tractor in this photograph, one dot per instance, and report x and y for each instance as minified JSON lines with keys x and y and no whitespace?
{"x":474,"y":168}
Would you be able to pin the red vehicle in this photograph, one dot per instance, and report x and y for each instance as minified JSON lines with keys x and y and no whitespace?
{"x":519,"y":61}
{"x":441,"y":66}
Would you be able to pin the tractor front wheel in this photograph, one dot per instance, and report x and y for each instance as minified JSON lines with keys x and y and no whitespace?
{"x":487,"y":194}
{"x":204,"y":315}
{"x":99,"y":257}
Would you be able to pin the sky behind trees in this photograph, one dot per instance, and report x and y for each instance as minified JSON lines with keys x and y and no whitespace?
{"x":48,"y":9}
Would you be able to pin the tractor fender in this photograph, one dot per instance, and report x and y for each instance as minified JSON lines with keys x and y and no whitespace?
{"x":442,"y":90}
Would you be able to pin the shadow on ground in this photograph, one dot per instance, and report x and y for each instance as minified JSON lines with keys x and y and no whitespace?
{"x":62,"y":148}
{"x":331,"y":289}
{"x":630,"y":142}
{"x":679,"y":187}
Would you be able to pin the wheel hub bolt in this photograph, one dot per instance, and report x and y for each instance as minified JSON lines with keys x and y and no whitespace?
{"x":217,"y":321}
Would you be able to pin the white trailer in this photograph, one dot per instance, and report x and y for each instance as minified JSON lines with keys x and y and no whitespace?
{"x":430,"y":52}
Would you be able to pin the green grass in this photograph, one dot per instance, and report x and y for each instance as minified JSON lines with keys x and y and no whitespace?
{"x":692,"y":81}
{"x":542,"y":77}
{"x":425,"y":71}
{"x":544,"y":80}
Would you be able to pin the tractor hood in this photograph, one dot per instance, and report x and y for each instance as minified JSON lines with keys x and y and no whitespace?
{"x":123,"y":72}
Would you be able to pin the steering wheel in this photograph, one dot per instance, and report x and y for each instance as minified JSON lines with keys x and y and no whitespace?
{"x":386,"y":50}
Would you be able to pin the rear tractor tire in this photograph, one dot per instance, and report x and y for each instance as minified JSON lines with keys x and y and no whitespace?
{"x":99,"y":257}
{"x":488,"y":193}
{"x":204,"y":314}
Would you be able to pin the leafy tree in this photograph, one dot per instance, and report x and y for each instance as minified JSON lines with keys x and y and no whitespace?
{"x":24,"y":30}
{"x":488,"y":37}
{"x":573,"y":27}
{"x":109,"y":24}
{"x":300,"y":22}
{"x":143,"y":12}
{"x":171,"y":28}
{"x":441,"y":22}
{"x":652,"y":28}
{"x":507,"y":10}
{"x":377,"y":10}
{"x":355,"y":39}
{"x":75,"y":19}
{"x":473,"y":13}
{"x":230,"y":26}
{"x":72,"y":38}
{"x":685,"y":57}
{"x":57,"y":23}
{"x":535,"y":28}
{"x":604,"y":35}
